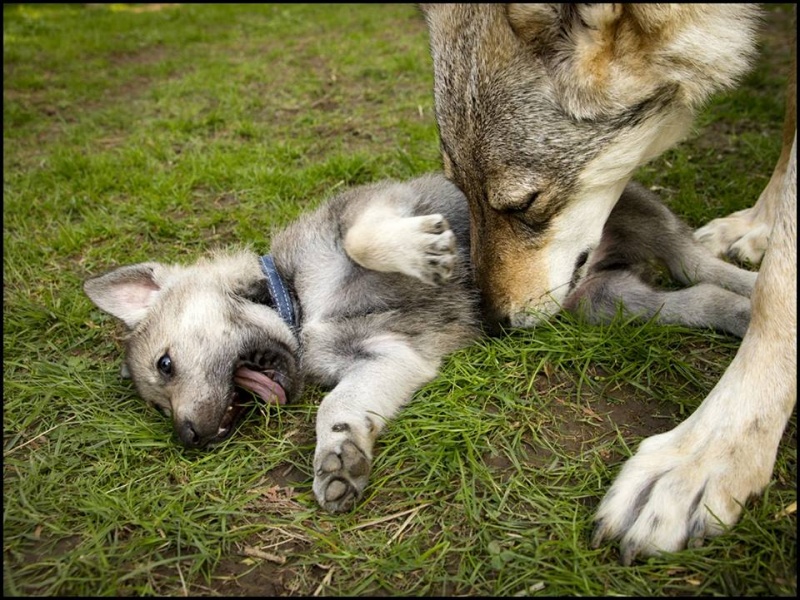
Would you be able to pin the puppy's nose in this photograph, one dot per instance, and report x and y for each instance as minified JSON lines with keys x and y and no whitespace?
{"x":188,"y":434}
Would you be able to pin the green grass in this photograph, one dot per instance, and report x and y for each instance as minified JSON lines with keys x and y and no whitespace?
{"x":135,"y":135}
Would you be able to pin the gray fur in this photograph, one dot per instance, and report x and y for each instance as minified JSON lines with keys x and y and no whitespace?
{"x":546,"y":110}
{"x":374,"y":337}
{"x":383,"y":287}
{"x":642,"y":231}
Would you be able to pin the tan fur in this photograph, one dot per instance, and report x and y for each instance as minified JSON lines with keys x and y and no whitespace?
{"x":710,"y":464}
{"x":627,"y":51}
{"x":544,"y":113}
{"x":510,"y":69}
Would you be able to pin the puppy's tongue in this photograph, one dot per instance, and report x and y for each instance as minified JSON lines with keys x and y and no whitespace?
{"x":261,"y":385}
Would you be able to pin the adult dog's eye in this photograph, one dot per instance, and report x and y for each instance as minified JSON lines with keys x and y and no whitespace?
{"x":524,"y":204}
{"x":164,"y":365}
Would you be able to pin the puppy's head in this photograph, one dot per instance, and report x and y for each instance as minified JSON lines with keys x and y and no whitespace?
{"x":202,"y":340}
{"x":545,"y":111}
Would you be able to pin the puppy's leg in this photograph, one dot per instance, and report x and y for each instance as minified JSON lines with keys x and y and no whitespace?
{"x":704,"y":305}
{"x":641,"y":230}
{"x":352,"y":415}
{"x":381,"y":239}
{"x":744,"y":234}
{"x":691,"y":482}
{"x":692,"y":263}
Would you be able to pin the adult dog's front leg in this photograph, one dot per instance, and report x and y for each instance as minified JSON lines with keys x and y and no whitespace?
{"x":352,"y":415}
{"x":691,"y":482}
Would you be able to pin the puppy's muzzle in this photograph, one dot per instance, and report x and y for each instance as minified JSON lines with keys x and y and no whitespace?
{"x":188,"y":434}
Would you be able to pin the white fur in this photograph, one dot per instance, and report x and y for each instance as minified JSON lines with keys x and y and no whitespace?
{"x":352,"y":415}
{"x":579,"y":227}
{"x":385,"y":237}
{"x":201,"y":311}
{"x":317,"y":298}
{"x":375,"y":389}
{"x":575,"y":230}
{"x":701,"y":473}
{"x":384,"y":240}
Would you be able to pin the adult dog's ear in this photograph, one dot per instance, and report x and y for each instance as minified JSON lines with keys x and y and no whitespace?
{"x":580,"y":47}
{"x":127,"y":292}
{"x":532,"y":22}
{"x":605,"y":58}
{"x":535,"y":23}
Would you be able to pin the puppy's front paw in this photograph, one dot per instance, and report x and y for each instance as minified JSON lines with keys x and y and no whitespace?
{"x":340,"y":476}
{"x":680,"y":487}
{"x":739,"y":236}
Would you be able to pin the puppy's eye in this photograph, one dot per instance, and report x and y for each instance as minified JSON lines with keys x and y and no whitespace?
{"x":166,"y":412}
{"x":164,"y":365}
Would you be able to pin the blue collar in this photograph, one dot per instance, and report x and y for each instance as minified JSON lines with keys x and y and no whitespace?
{"x":279,"y":292}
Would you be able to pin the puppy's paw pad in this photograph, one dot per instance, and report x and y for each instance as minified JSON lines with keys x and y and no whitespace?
{"x":443,"y":243}
{"x":440,"y":269}
{"x":424,"y":247}
{"x":340,"y":477}
{"x":437,"y":254}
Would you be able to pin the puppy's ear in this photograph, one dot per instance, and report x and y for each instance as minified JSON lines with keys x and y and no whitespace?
{"x":127,"y":292}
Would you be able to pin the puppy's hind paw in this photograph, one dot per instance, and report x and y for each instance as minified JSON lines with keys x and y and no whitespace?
{"x":340,"y":477}
{"x":422,"y":247}
{"x":739,"y":237}
{"x":432,"y":249}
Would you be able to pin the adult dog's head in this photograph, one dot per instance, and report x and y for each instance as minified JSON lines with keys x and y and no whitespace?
{"x":545,"y":111}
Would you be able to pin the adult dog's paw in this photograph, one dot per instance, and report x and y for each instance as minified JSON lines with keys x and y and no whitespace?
{"x":340,"y":476}
{"x":678,"y":489}
{"x":740,"y":236}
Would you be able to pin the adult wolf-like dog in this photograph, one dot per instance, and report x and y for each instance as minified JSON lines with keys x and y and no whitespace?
{"x":544,"y":112}
{"x":365,"y":296}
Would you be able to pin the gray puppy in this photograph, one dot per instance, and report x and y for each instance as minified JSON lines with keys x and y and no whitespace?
{"x":366,"y":295}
